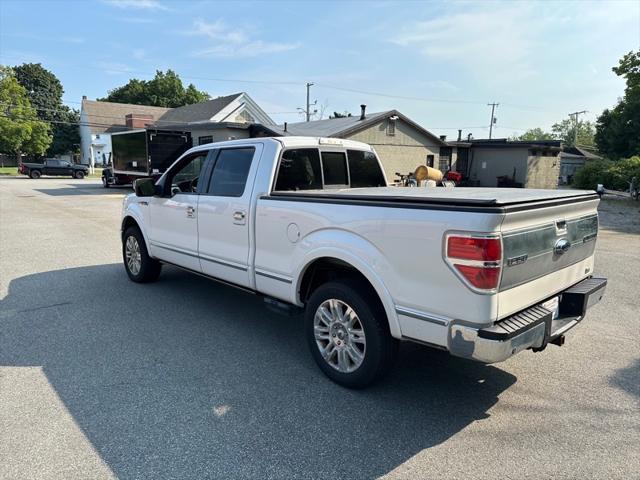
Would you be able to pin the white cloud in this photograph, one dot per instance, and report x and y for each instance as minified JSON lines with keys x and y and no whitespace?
{"x":137,"y":20}
{"x":490,"y":40}
{"x":113,"y":68}
{"x":137,"y":4}
{"x":441,"y":85}
{"x":231,"y":42}
{"x":73,"y":39}
{"x":139,"y":53}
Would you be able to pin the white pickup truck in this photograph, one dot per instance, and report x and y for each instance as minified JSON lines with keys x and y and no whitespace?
{"x":310,"y":223}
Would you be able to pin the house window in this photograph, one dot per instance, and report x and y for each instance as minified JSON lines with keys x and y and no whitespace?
{"x":245,"y":117}
{"x":430,"y":160}
{"x":205,"y":139}
{"x":391,"y":127}
{"x":444,"y":163}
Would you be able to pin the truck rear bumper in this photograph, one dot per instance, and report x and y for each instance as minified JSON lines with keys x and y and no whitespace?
{"x":534,"y":327}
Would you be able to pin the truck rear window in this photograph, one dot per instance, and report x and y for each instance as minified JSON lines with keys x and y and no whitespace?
{"x":364,"y":169}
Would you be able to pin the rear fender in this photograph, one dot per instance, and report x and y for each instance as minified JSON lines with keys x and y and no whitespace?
{"x":352,"y":250}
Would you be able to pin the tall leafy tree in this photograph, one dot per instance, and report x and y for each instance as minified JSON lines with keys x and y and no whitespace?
{"x":534,"y":134}
{"x":566,"y":131}
{"x":618,"y":129}
{"x":45,"y":94}
{"x":20,"y":129}
{"x":164,"y":90}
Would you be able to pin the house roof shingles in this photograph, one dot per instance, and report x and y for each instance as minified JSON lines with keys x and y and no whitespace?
{"x":198,"y":112}
{"x":344,"y":126}
{"x":110,"y":117}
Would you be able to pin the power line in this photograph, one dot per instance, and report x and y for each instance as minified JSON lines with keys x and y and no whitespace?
{"x":387,"y":95}
{"x":115,"y":117}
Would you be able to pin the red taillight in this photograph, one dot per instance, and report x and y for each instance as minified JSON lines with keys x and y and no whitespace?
{"x":485,"y":278}
{"x":477,"y":259}
{"x":470,"y":248}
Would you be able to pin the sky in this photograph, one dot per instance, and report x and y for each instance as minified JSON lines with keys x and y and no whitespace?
{"x":439,"y":63}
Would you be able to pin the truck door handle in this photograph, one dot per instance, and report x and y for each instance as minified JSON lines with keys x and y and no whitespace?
{"x":191,"y":212}
{"x":239,"y":217}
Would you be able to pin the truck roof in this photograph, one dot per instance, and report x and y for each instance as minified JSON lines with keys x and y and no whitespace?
{"x":287,"y":142}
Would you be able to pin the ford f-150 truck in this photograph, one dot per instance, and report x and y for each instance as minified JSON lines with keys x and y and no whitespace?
{"x":310,"y":224}
{"x":54,"y":167}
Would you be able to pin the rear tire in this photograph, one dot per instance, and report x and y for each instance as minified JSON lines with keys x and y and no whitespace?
{"x":348,"y":333}
{"x":35,"y":174}
{"x":79,"y":175}
{"x":140,"y":267}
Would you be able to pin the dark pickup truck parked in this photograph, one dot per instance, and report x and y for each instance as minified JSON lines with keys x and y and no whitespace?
{"x":52,"y":166}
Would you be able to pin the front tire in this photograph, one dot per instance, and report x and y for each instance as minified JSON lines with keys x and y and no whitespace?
{"x":79,"y":175}
{"x":140,"y":267}
{"x":35,"y":174}
{"x":348,"y":333}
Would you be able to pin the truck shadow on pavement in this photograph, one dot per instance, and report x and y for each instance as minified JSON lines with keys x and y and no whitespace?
{"x":187,"y":378}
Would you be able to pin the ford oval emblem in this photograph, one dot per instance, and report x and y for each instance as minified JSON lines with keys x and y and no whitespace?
{"x":561,"y":246}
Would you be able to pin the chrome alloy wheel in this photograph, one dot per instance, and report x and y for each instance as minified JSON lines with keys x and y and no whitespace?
{"x":132,"y":253}
{"x":339,"y":335}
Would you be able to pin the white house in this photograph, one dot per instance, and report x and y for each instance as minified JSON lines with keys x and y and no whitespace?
{"x":98,"y":120}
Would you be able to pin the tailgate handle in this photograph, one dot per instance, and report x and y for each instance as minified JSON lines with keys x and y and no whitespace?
{"x":561,"y":224}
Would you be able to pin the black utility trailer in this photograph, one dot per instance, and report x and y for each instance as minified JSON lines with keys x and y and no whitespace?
{"x":143,"y":153}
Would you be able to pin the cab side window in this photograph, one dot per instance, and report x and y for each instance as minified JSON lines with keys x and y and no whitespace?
{"x":185,"y":178}
{"x":299,"y":169}
{"x":364,"y":169}
{"x":230,"y":172}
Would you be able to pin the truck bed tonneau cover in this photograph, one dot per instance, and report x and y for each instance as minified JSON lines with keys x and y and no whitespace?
{"x":459,"y":196}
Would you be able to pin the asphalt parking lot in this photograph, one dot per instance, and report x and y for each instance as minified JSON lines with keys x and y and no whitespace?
{"x":186,"y":378}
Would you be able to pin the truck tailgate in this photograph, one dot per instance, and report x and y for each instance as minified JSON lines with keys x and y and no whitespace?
{"x":546,"y":249}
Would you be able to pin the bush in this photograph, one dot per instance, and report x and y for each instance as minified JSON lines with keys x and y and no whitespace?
{"x":614,"y":175}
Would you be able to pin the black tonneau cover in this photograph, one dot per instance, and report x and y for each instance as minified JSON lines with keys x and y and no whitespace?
{"x":488,"y":200}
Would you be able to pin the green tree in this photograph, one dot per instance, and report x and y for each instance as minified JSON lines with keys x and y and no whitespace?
{"x":164,"y":90}
{"x":565,"y":131}
{"x":618,"y":129}
{"x":534,"y":134}
{"x":45,"y":94}
{"x":20,"y":129}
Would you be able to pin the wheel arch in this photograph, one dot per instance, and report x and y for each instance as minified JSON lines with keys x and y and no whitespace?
{"x":131,"y":221}
{"x":329,"y":264}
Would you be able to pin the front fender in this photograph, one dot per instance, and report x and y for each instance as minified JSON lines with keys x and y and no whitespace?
{"x":132,"y":209}
{"x":353,"y":250}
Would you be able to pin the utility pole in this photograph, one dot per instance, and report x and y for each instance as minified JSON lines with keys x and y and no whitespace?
{"x":575,"y":129}
{"x":493,"y":118}
{"x":309,"y":85}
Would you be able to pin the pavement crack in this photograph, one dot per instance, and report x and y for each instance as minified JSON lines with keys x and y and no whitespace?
{"x":43,"y":307}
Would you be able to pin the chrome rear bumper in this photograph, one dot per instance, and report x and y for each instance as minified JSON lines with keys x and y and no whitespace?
{"x":533,"y":327}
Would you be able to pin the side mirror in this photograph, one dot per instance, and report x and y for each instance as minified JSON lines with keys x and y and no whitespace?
{"x":144,"y":187}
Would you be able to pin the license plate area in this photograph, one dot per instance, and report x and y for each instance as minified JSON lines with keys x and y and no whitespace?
{"x":553,"y":305}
